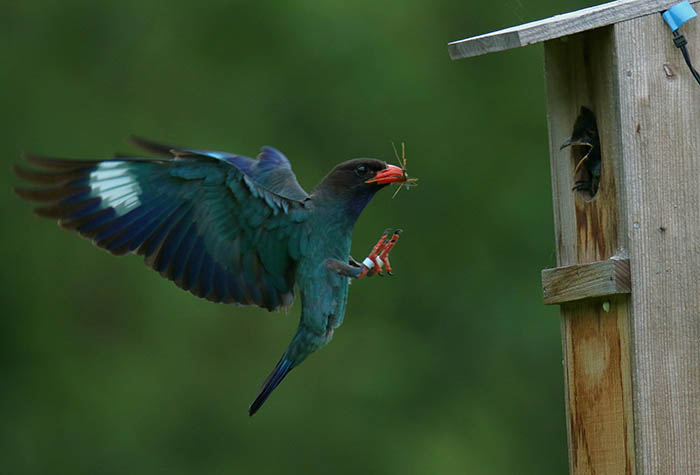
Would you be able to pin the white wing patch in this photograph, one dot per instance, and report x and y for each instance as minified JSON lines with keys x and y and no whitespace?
{"x":116,"y":186}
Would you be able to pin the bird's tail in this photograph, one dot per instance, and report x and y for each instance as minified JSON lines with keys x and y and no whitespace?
{"x":273,"y":380}
{"x":302,"y":345}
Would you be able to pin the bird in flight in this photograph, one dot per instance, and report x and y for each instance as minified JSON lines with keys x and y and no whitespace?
{"x":226,"y":227}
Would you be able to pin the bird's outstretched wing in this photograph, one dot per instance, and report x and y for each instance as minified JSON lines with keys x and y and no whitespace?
{"x":271,"y":170}
{"x":205,"y":220}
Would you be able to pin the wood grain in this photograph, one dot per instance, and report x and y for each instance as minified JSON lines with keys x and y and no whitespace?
{"x":557,"y":26}
{"x":581,"y":281}
{"x":599,"y":412}
{"x":632,"y":367}
{"x":598,"y":391}
{"x":660,"y":127}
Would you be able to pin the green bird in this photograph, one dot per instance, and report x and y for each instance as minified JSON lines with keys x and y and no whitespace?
{"x":226,"y":227}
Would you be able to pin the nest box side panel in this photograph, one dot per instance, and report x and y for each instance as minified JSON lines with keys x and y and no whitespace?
{"x":581,"y":71}
{"x":660,"y":126}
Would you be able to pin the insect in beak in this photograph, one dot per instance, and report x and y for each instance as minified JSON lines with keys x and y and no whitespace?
{"x":407,"y":181}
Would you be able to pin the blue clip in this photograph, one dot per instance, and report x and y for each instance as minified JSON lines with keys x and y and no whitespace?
{"x":678,"y":14}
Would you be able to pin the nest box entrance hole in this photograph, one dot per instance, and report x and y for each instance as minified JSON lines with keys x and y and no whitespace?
{"x":584,"y":143}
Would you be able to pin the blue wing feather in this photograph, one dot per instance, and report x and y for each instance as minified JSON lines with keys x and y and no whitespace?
{"x":183,"y":252}
{"x":272,"y":171}
{"x":194,"y":264}
{"x":219,"y":225}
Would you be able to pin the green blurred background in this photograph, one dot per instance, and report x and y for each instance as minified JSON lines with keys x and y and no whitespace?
{"x":451,"y":366}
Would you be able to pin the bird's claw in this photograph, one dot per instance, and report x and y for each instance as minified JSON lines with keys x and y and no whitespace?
{"x":583,"y":185}
{"x":379,"y":256}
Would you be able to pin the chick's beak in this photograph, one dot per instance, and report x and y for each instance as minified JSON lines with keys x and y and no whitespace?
{"x":567,"y":143}
{"x":575,"y":141}
{"x":391,"y":174}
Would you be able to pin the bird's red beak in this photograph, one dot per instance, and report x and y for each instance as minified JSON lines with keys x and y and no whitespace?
{"x":391,"y":174}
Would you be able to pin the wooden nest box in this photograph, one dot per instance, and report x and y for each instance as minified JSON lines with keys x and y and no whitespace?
{"x":628,"y":249}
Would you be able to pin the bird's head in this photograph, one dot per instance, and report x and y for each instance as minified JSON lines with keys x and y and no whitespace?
{"x":361,"y":176}
{"x":356,"y":181}
{"x":585,"y":132}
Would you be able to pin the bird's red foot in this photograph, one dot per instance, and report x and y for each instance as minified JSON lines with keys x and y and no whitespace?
{"x":380,"y":254}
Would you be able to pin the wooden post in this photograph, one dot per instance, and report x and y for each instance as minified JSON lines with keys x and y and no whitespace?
{"x":632,"y":360}
{"x":595,"y":342}
{"x":660,"y":134}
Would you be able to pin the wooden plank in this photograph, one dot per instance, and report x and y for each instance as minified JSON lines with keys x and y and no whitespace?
{"x":558,"y":26}
{"x":595,"y":343}
{"x":581,"y":281}
{"x":599,"y":406}
{"x":660,"y":126}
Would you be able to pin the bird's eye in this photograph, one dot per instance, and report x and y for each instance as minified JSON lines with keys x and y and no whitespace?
{"x":361,"y":170}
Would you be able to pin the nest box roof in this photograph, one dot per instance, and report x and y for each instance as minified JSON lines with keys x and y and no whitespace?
{"x":558,"y":26}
